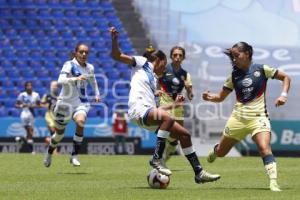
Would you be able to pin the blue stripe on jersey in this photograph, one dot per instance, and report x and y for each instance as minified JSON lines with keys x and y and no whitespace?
{"x":151,"y":79}
{"x":82,"y":90}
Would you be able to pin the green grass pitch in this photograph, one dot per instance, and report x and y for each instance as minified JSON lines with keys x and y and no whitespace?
{"x":23,"y":176}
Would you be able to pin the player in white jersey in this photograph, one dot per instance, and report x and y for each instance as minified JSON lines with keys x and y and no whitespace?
{"x":144,"y":111}
{"x":73,"y":102}
{"x":28,"y":100}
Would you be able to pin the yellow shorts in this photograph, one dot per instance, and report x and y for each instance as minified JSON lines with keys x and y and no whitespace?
{"x":50,"y":119}
{"x":238,"y":129}
{"x":176,"y":113}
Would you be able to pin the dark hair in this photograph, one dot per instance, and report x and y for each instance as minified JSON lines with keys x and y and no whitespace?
{"x":179,"y":48}
{"x":156,"y":54}
{"x":243,"y":47}
{"x":72,"y":54}
{"x":148,"y":51}
{"x":26,"y":83}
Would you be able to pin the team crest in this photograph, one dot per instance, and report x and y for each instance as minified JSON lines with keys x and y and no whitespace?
{"x":175,"y":81}
{"x":247,"y":82}
{"x":257,"y":74}
{"x":227,"y":130}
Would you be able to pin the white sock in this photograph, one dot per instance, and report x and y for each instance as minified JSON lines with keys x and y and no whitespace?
{"x":271,"y":169}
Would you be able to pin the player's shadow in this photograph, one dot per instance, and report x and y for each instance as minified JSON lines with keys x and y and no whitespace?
{"x":246,"y":188}
{"x":149,"y":188}
{"x":73,"y":173}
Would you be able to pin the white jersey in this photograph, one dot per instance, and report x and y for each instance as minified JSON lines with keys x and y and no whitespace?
{"x":29,"y":100}
{"x":73,"y":90}
{"x":143,"y":85}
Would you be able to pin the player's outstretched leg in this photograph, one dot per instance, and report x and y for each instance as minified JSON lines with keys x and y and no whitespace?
{"x":55,"y":139}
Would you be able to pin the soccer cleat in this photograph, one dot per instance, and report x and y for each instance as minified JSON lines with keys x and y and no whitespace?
{"x":74,"y":161}
{"x":274,"y":186}
{"x":211,"y":157}
{"x":47,"y":160}
{"x":158,"y":164}
{"x":204,"y":177}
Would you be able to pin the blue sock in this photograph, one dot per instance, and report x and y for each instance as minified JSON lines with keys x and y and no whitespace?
{"x":268,"y":159}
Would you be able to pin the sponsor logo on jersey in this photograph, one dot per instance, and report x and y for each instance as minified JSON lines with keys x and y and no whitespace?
{"x":247,"y":82}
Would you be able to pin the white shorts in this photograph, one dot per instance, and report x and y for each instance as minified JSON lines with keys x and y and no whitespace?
{"x":138,"y":113}
{"x":27,"y":118}
{"x":65,"y":111}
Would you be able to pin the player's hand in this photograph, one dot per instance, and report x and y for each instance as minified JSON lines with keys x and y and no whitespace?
{"x":158,"y":93}
{"x":97,"y":99}
{"x":280,"y":101}
{"x":206,"y":95}
{"x":180,"y":98}
{"x":190,"y":96}
{"x":81,"y":78}
{"x":114,"y":32}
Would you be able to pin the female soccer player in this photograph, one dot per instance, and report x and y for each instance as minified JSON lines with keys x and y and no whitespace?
{"x":49,"y":101}
{"x":172,"y":83}
{"x":144,"y":112}
{"x":73,"y":102}
{"x":28,"y":100}
{"x":249,"y":80}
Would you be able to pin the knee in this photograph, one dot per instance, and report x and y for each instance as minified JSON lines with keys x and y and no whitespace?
{"x":168,"y":121}
{"x":80,"y":121}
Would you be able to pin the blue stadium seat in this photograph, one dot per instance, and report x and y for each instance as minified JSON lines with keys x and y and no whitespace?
{"x":53,"y":34}
{"x":31,"y":13}
{"x":31,"y":23}
{"x":8,"y":85}
{"x":83,"y":13}
{"x":70,"y":13}
{"x":4,"y":23}
{"x":45,"y":24}
{"x":17,"y":24}
{"x":27,"y":73}
{"x":12,"y":72}
{"x":57,"y":13}
{"x":39,"y":34}
{"x":35,"y":54}
{"x":44,"y":43}
{"x":18,"y":13}
{"x":22,"y":54}
{"x":14,"y":112}
{"x":12,"y":93}
{"x":32,"y":44}
{"x":5,"y":13}
{"x":3,"y":112}
{"x":35,"y":64}
{"x":53,"y":3}
{"x":11,"y":33}
{"x":44,"y":14}
{"x":17,"y":43}
{"x":58,"y":23}
{"x":9,"y":103}
{"x":25,"y":33}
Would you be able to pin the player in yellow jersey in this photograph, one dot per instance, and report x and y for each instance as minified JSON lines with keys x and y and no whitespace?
{"x":249,"y":80}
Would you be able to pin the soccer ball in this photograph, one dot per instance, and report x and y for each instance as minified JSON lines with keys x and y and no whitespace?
{"x":157,"y":180}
